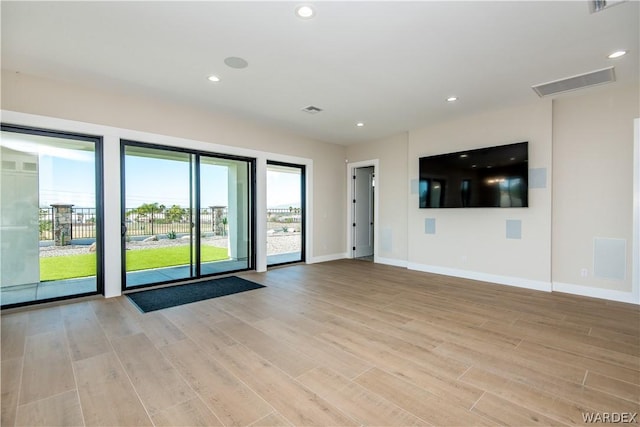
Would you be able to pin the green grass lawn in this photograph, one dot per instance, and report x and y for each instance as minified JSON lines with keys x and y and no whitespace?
{"x":73,"y":266}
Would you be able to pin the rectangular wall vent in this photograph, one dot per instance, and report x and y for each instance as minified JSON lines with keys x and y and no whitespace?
{"x":8,"y":165}
{"x":312,"y":109}
{"x":599,"y":5}
{"x":593,"y":78}
{"x":29,"y":166}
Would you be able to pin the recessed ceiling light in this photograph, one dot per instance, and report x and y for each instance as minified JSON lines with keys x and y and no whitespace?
{"x":617,"y":54}
{"x":236,"y":62}
{"x":360,"y":124}
{"x":213,"y":78}
{"x":452,"y":99}
{"x":305,"y":12}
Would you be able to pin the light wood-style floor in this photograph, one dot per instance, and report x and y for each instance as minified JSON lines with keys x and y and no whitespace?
{"x":339,"y":343}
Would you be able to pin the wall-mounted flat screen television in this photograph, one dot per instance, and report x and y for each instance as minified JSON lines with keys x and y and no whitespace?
{"x":492,"y":177}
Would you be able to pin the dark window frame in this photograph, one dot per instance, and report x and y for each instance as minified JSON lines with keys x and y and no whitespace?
{"x":196,"y":275}
{"x":303,"y":210}
{"x":98,"y":141}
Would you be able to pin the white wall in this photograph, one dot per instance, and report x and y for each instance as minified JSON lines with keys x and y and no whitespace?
{"x":472,"y":242}
{"x":391,"y":180}
{"x":593,"y":186}
{"x":20,"y":260}
{"x":584,"y":140}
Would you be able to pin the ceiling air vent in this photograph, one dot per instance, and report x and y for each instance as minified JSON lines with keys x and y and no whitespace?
{"x":312,"y":109}
{"x":606,"y":75}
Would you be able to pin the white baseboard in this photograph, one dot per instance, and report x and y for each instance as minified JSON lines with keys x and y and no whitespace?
{"x":588,"y":291}
{"x":390,"y":261}
{"x":519,"y":282}
{"x":325,"y":258}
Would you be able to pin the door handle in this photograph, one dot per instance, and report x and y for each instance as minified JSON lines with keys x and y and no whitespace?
{"x":123,"y":229}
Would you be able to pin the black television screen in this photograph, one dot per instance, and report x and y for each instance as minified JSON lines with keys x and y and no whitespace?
{"x":492,"y":177}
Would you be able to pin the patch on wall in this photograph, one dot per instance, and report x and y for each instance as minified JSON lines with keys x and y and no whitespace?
{"x":514,"y":229}
{"x":538,"y":178}
{"x":414,"y":186}
{"x":429,"y":226}
{"x":609,"y":258}
{"x":386,"y":240}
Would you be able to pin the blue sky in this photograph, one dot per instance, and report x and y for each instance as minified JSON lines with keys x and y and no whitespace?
{"x":67,"y":175}
{"x":283,"y":189}
{"x":148,"y":180}
{"x":65,"y":181}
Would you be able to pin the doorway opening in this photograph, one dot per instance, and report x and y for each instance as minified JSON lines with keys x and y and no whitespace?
{"x":186,"y":214}
{"x":285,"y":213}
{"x":363,"y":213}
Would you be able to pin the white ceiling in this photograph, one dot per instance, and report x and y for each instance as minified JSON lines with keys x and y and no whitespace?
{"x":388,"y":64}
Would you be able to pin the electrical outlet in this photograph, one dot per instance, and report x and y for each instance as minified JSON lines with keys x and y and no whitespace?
{"x":463,"y":259}
{"x":584,"y":272}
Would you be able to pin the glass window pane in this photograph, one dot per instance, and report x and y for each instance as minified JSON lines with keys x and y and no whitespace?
{"x":285,"y":213}
{"x":49,"y":217}
{"x":225,"y":215}
{"x":158,"y":215}
{"x":187,"y":214}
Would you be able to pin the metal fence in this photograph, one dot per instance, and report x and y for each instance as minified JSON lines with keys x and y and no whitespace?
{"x":153,"y":221}
{"x":83,"y":223}
{"x":176,"y":220}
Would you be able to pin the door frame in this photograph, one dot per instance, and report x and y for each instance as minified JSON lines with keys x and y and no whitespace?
{"x":194,"y":194}
{"x":303,"y":206}
{"x":351,"y":167}
{"x":635,"y":239}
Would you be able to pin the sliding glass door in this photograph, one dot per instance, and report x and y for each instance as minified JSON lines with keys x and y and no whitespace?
{"x":186,"y":214}
{"x":157,"y":215}
{"x":50,"y":230}
{"x":225,"y":215}
{"x":285,"y":213}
